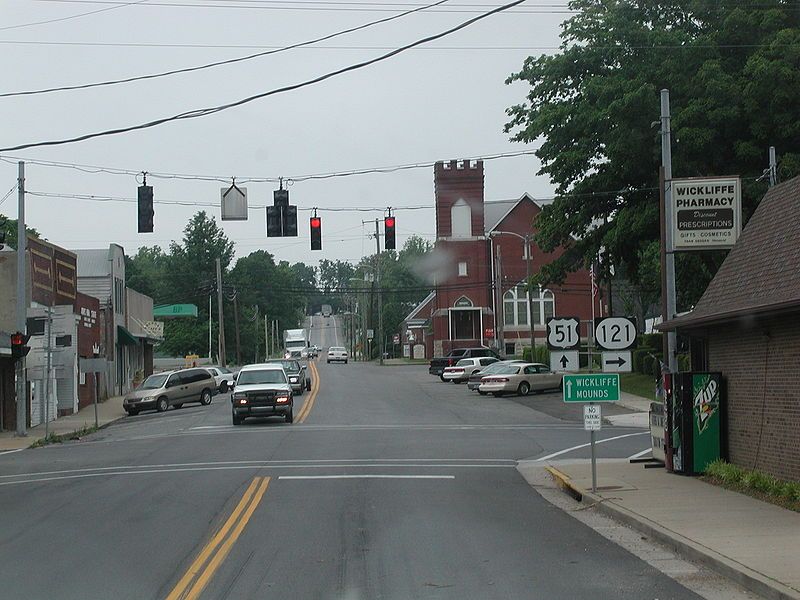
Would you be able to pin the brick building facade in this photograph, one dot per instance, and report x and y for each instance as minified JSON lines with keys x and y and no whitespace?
{"x":747,"y":326}
{"x":480,"y":274}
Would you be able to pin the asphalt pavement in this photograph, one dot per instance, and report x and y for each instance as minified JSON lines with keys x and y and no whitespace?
{"x":391,"y":484}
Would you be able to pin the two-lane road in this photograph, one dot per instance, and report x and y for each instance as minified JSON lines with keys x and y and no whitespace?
{"x":394,"y":485}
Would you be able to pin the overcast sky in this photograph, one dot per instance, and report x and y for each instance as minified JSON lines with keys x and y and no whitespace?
{"x":443,"y":101}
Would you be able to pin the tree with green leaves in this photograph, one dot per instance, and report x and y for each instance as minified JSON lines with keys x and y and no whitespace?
{"x":8,"y":231}
{"x":733,"y":71}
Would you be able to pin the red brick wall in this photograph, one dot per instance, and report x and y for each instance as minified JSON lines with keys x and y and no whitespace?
{"x":763,"y":395}
{"x":452,"y":184}
{"x":572,"y":297}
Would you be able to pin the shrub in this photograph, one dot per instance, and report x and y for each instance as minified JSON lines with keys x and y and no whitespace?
{"x":651,"y":340}
{"x":540,"y":354}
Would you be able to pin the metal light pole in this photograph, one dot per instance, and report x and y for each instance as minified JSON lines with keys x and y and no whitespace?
{"x":526,"y":239}
{"x":666,"y":161}
{"x":22,"y":304}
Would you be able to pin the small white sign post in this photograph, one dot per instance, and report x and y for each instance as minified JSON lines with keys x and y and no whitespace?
{"x":592,"y":417}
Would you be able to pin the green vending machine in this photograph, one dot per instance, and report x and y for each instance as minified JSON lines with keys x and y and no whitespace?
{"x":698,"y":421}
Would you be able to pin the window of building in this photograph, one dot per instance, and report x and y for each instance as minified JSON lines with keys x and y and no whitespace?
{"x":460,"y":219}
{"x":511,"y":349}
{"x":119,"y":296}
{"x":515,"y":306}
{"x":462,"y":269}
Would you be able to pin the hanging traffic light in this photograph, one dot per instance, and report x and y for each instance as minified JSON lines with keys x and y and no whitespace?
{"x":145,"y":200}
{"x":19,"y":345}
{"x":388,"y":233}
{"x":282,"y":217}
{"x":316,"y":232}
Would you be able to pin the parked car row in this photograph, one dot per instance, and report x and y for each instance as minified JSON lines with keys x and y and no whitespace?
{"x":489,"y":375}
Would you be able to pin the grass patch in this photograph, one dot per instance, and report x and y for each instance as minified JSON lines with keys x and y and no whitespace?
{"x":637,"y":384}
{"x":54,"y":438}
{"x":754,"y":483}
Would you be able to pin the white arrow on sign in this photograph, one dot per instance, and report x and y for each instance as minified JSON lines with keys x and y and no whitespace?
{"x":616,"y":362}
{"x":564,"y":360}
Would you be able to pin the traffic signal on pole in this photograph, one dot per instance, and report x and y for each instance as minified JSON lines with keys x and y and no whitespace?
{"x":290,"y":221}
{"x":390,"y":242}
{"x":145,"y":199}
{"x":282,"y":217}
{"x":19,"y":345}
{"x":316,"y":232}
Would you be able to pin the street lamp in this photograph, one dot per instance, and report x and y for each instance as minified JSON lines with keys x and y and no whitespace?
{"x":529,"y":257}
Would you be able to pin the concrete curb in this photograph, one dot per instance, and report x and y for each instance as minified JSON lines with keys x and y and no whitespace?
{"x":744,"y":576}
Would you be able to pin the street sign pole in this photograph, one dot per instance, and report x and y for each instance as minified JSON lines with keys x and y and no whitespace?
{"x":594,"y":458}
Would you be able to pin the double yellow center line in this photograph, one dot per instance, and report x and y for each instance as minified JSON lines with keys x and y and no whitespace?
{"x":312,"y":397}
{"x":214,"y":552}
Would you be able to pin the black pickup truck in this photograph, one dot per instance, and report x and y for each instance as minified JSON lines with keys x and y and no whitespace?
{"x":438,"y":365}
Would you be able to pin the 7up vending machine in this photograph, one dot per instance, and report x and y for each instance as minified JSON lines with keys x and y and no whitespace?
{"x":698,"y":422}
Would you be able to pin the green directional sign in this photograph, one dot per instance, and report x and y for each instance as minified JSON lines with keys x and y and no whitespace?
{"x":591,"y":387}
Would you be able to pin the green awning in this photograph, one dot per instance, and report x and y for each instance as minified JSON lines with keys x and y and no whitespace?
{"x":175,"y":310}
{"x":126,"y":337}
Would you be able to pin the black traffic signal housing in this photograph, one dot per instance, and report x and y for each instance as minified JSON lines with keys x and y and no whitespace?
{"x":390,"y":241}
{"x":281,"y":218}
{"x":145,"y":200}
{"x":315,"y":223}
{"x":19,"y":345}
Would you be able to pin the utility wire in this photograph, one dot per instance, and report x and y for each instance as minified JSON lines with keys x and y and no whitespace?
{"x":78,"y":16}
{"x":8,"y":193}
{"x":226,"y":179}
{"x":221,"y":62}
{"x":193,"y":114}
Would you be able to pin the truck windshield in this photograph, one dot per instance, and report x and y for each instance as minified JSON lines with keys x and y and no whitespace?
{"x":261,"y":376}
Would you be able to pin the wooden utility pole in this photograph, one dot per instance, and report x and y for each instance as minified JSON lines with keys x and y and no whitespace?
{"x":236,"y":325}
{"x":222,"y":361}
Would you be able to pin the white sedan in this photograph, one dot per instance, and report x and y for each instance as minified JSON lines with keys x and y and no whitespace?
{"x":520,"y":379}
{"x":461,"y":371}
{"x":337,"y":353}
{"x":223,"y":378}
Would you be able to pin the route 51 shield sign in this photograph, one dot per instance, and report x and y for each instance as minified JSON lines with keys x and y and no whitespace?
{"x":563,"y":333}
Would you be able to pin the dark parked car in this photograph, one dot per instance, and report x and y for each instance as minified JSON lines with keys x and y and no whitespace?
{"x":438,"y":365}
{"x":298,"y":377}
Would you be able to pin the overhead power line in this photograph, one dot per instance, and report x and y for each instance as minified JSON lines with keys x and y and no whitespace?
{"x":78,"y":16}
{"x":193,"y":114}
{"x":95,"y":169}
{"x":220,"y":62}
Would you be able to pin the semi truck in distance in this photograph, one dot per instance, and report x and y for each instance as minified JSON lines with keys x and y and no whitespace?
{"x":296,"y":343}
{"x":327,"y":311}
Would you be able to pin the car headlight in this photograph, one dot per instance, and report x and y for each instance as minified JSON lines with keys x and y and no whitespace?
{"x":293,"y":379}
{"x":240,"y":396}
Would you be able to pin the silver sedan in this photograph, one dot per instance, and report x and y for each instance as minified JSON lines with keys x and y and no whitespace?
{"x":520,"y":379}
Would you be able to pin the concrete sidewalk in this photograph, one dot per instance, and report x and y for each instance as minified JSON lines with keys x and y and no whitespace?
{"x":639,"y":418}
{"x":751,"y":542}
{"x":107,"y":412}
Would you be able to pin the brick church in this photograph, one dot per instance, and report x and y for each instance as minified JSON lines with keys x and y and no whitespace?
{"x":480,"y":296}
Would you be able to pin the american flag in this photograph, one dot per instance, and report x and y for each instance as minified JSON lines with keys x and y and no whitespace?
{"x":595,"y":289}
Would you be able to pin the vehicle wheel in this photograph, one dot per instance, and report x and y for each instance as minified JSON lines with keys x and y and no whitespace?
{"x":524,"y":388}
{"x":345,"y":362}
{"x":497,"y":394}
{"x":162,"y":405}
{"x":442,"y":378}
{"x":132,"y":412}
{"x":178,"y":405}
{"x":482,"y":393}
{"x":237,"y":420}
{"x":289,"y":417}
{"x":308,"y":385}
{"x":223,"y":387}
{"x":329,"y":362}
{"x":205,"y":398}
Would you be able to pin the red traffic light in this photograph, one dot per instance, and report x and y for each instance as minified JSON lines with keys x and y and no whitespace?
{"x":389,"y":221}
{"x":316,"y":222}
{"x":18,"y":339}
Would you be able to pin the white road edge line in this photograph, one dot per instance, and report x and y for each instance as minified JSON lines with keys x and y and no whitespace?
{"x":11,"y":451}
{"x":367,"y":477}
{"x":578,"y":447}
{"x":638,"y":454}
